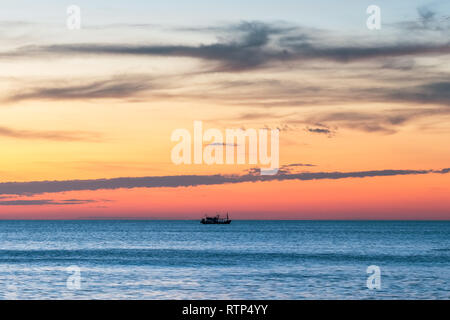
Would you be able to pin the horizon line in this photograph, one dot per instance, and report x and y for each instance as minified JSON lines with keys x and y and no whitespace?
{"x":180,"y":219}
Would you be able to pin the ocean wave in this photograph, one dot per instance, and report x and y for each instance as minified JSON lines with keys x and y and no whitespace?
{"x":174,"y":257}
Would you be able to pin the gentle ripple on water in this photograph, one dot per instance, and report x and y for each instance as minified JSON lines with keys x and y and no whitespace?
{"x":244,"y":260}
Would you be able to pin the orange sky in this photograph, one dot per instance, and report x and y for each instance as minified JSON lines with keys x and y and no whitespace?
{"x":108,"y":111}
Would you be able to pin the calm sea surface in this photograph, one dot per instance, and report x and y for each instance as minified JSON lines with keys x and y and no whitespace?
{"x":244,"y":260}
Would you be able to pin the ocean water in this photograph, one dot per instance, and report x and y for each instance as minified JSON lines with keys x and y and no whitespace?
{"x":243,"y":260}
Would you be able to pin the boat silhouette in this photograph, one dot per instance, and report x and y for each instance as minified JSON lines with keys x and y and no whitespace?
{"x":215,"y":220}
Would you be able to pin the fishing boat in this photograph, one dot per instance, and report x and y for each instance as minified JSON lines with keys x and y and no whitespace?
{"x":215,"y":220}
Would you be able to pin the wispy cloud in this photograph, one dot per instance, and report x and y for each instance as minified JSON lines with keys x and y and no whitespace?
{"x":41,"y":202}
{"x":241,"y":56}
{"x":115,"y":87}
{"x":286,"y":169}
{"x":50,"y":135}
{"x":223,"y":144}
{"x":437,"y":92}
{"x":428,"y":19}
{"x":250,"y":45}
{"x":320,"y":131}
{"x":387,"y":121}
{"x":298,"y":165}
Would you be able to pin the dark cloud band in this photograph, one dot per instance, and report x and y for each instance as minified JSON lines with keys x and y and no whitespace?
{"x":250,"y":45}
{"x":41,"y":202}
{"x":38,"y":187}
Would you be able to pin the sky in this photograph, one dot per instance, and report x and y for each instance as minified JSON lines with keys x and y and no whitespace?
{"x":86,"y":115}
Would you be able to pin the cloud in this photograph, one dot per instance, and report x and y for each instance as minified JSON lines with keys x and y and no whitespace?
{"x":428,"y":19}
{"x":244,"y":52}
{"x":223,"y":144}
{"x":285,"y":169}
{"x":443,"y":171}
{"x":383,"y":121}
{"x":116,"y":87}
{"x":240,"y":56}
{"x":428,"y":89}
{"x":50,"y":135}
{"x":320,"y":130}
{"x":298,"y":165}
{"x":254,"y":45}
{"x":437,"y":92}
{"x":246,"y":46}
{"x":426,"y":100}
{"x":44,"y":202}
{"x":357,"y":53}
{"x":256,"y":116}
{"x":38,"y":187}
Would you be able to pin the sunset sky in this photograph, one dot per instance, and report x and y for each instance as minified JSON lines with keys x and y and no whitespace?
{"x":87,"y":115}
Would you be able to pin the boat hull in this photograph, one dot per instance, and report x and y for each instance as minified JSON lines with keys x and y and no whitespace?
{"x":212,"y":222}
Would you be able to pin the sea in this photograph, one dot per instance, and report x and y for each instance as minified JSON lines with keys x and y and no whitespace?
{"x":184,"y":259}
